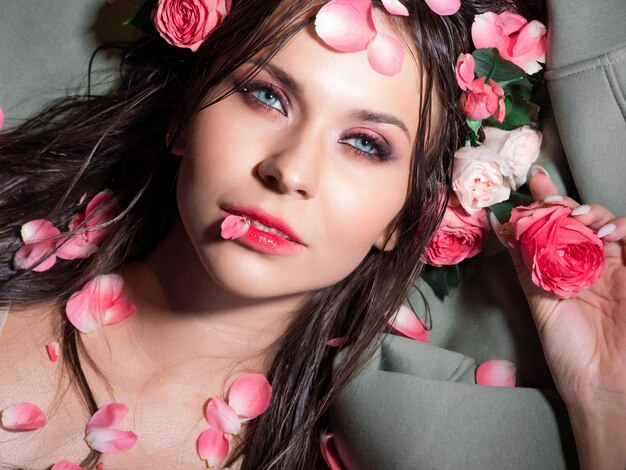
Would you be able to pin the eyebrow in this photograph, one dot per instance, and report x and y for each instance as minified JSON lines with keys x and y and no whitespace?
{"x":294,"y":86}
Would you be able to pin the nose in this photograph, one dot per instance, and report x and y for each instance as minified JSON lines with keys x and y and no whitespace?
{"x":294,"y":169}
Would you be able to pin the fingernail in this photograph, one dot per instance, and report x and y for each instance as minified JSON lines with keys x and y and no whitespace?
{"x":554,"y":198}
{"x":581,"y":210}
{"x":606,"y":230}
{"x":538,"y":169}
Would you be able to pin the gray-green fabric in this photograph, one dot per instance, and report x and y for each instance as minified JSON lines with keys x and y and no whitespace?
{"x":586,"y":77}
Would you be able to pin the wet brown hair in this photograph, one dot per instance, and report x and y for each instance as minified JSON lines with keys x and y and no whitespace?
{"x":84,"y":143}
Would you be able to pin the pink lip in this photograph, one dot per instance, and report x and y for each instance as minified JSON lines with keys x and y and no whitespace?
{"x":266,"y":242}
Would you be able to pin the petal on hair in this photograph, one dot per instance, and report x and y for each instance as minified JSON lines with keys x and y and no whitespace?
{"x":444,"y":7}
{"x":99,"y":432}
{"x":336,"y":342}
{"x":98,"y":213}
{"x":66,"y":465}
{"x":395,"y":7}
{"x":250,"y":395}
{"x":408,"y":324}
{"x":23,"y":417}
{"x":109,"y":440}
{"x":100,"y":302}
{"x":465,"y":70}
{"x":30,"y":254}
{"x":75,"y":247}
{"x":386,"y":54}
{"x":496,"y":372}
{"x":53,"y":350}
{"x":234,"y":227}
{"x":212,"y":446}
{"x":38,"y":230}
{"x":221,"y":416}
{"x":329,"y":452}
{"x":346,"y":25}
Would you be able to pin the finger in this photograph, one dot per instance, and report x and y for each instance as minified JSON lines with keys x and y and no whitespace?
{"x":541,"y":186}
{"x":593,"y":215}
{"x":568,"y":201}
{"x":614,"y":230}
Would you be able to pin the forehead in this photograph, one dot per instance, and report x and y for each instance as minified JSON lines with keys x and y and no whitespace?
{"x":347,"y":79}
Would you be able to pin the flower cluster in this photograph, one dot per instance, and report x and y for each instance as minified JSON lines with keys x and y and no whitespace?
{"x":563,"y":255}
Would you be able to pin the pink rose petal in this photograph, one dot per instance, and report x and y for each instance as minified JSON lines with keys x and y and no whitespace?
{"x":444,"y":7}
{"x":23,"y":416}
{"x":346,"y":25}
{"x":221,"y":416}
{"x":234,"y":227}
{"x":329,"y":452}
{"x":99,"y":432}
{"x":497,"y":373}
{"x":1,"y":118}
{"x":465,"y":71}
{"x":213,"y":447}
{"x":386,"y":54}
{"x":53,"y":350}
{"x":39,"y":238}
{"x":405,"y":322}
{"x":100,"y":302}
{"x":250,"y":395}
{"x":336,"y":342}
{"x":100,"y":466}
{"x":395,"y":7}
{"x":66,"y":465}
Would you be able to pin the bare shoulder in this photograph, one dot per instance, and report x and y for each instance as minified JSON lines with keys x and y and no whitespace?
{"x":28,"y":375}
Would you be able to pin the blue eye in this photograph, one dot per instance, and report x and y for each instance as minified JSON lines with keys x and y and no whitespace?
{"x":363,"y":144}
{"x":261,"y":94}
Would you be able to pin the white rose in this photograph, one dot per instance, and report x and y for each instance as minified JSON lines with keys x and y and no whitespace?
{"x":518,"y":150}
{"x":477,"y":179}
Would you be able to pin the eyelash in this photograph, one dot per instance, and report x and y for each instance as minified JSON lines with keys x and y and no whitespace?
{"x":247,"y":89}
{"x":382,"y":150}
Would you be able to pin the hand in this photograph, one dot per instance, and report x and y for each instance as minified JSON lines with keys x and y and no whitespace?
{"x":584,"y":338}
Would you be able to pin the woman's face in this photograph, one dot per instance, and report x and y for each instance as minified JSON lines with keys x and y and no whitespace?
{"x":318,"y":145}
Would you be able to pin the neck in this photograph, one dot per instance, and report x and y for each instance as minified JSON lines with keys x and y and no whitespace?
{"x":183,"y":315}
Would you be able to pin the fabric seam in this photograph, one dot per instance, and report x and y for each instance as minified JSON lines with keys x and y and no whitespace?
{"x":586,"y":69}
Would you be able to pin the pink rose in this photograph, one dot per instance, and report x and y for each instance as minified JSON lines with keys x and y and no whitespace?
{"x":563,"y":255}
{"x":482,"y":100}
{"x":517,"y":40}
{"x":518,"y":150}
{"x":477,"y":179}
{"x":187,"y":23}
{"x":459,"y":236}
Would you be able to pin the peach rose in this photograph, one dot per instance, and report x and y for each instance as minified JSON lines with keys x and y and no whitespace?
{"x":518,"y":150}
{"x":459,"y":236}
{"x":477,"y":179}
{"x":563,"y":255}
{"x":187,"y":23}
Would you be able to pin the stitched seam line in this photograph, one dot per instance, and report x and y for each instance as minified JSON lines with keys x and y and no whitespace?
{"x":617,"y":94}
{"x":456,"y":369}
{"x":602,"y":64}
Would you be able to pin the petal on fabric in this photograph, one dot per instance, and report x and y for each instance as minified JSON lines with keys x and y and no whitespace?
{"x":66,"y":465}
{"x":408,"y":324}
{"x":108,"y":416}
{"x":221,"y":416}
{"x":329,"y":452}
{"x":250,"y":395}
{"x":496,"y":372}
{"x":444,"y":7}
{"x":234,"y":227}
{"x":213,"y":447}
{"x":346,"y":25}
{"x":23,"y":417}
{"x":386,"y":54}
{"x":395,"y":8}
{"x":53,"y":350}
{"x":109,"y":440}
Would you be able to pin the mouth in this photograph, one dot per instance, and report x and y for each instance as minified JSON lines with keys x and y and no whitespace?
{"x":266,"y":233}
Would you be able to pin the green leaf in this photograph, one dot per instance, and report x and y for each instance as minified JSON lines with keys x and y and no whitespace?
{"x":142,"y":19}
{"x":520,"y":199}
{"x":519,"y":111}
{"x":489,"y":63}
{"x":442,"y":280}
{"x":502,"y":210}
